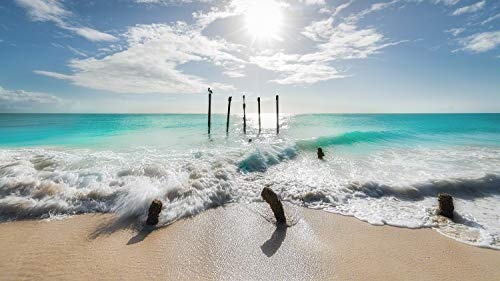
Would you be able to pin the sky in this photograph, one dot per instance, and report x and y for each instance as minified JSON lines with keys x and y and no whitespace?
{"x":320,"y":56}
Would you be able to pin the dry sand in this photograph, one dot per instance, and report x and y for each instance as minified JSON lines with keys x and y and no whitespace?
{"x":236,"y":242}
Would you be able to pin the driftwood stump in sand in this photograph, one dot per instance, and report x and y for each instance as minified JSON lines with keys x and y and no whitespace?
{"x":445,"y":205}
{"x":154,"y":212}
{"x":320,"y":153}
{"x":272,"y":199}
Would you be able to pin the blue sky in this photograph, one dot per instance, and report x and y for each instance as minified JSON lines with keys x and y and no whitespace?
{"x":321,"y":56}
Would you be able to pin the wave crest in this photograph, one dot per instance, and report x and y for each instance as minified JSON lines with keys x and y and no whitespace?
{"x":262,"y":158}
{"x":350,"y":138}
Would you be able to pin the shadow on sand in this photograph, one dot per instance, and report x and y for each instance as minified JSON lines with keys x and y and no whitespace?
{"x":113,"y":225}
{"x":462,"y":220}
{"x":271,"y":246}
{"x":133,"y":224}
{"x":141,"y":235}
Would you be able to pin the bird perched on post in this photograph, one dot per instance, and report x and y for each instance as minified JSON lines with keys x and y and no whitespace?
{"x":210,"y":91}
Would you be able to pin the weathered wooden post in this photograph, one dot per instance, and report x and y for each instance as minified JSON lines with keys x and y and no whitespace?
{"x":244,"y":116}
{"x":321,"y":154}
{"x":446,"y":207}
{"x":209,"y":108}
{"x":277,"y":115}
{"x":274,"y":202}
{"x":258,"y":109}
{"x":228,"y":113}
{"x":154,"y":212}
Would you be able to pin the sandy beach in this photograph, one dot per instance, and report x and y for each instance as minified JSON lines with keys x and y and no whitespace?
{"x":236,"y":242}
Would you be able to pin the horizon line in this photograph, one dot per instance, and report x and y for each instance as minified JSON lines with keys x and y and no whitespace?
{"x":198,"y":113}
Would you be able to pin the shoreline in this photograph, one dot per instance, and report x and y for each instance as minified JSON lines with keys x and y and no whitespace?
{"x":237,"y":242}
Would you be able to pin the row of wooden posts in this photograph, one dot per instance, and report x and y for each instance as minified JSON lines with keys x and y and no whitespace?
{"x":244,"y":113}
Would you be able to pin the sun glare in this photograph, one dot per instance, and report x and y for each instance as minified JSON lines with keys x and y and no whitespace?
{"x":263,"y":19}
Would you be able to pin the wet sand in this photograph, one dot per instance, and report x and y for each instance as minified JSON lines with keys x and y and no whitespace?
{"x":236,"y":242}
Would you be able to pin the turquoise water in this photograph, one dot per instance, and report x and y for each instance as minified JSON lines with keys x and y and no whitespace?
{"x":101,"y":130}
{"x":380,"y":168}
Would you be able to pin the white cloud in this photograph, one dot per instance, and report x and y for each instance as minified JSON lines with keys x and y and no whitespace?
{"x":373,"y":8}
{"x":155,"y":57}
{"x":45,"y":10}
{"x":167,"y":2}
{"x":294,"y":71}
{"x":470,"y":9}
{"x":490,"y":19}
{"x":77,"y":52}
{"x":333,"y":42}
{"x":150,"y":62}
{"x":341,"y":7}
{"x":234,"y":74}
{"x":233,"y":8}
{"x":313,"y":2}
{"x":203,"y":19}
{"x":383,"y":5}
{"x":455,"y":31}
{"x":54,"y":74}
{"x":19,"y":100}
{"x":481,"y":42}
{"x":337,"y":10}
{"x":447,"y":2}
{"x":54,"y":11}
{"x":437,"y":2}
{"x":73,"y":50}
{"x":319,"y":30}
{"x":346,"y":41}
{"x":92,"y":34}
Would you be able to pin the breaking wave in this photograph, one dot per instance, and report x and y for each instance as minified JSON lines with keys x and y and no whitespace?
{"x":350,"y":138}
{"x":261,"y":159}
{"x":469,"y":189}
{"x":72,"y":182}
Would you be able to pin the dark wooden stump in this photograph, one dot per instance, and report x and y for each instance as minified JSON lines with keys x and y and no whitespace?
{"x":209,"y":109}
{"x":445,"y":205}
{"x":277,"y":115}
{"x":258,"y":110}
{"x":228,"y":114}
{"x":272,"y":199}
{"x":154,"y":212}
{"x":320,"y":153}
{"x":244,"y":116}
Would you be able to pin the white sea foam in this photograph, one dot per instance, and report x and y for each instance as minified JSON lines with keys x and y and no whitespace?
{"x":396,"y":186}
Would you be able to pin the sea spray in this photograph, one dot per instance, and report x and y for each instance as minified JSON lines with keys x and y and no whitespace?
{"x":265,"y":156}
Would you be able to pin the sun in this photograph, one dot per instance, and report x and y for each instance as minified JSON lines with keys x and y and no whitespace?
{"x":263,"y":19}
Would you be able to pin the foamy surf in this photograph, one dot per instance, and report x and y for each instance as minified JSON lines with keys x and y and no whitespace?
{"x":381,"y":177}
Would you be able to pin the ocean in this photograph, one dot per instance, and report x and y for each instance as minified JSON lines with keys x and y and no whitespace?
{"x":379,"y":168}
